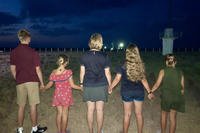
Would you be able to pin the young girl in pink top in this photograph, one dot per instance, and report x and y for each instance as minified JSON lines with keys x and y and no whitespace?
{"x":62,"y":98}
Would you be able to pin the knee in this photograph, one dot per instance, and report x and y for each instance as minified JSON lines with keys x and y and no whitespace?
{"x":127,"y":114}
{"x":100,"y":110}
{"x":59,"y":113}
{"x":91,"y":110}
{"x":138,"y":113}
{"x":21,"y":107}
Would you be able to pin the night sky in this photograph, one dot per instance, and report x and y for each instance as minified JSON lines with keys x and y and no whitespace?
{"x":69,"y":23}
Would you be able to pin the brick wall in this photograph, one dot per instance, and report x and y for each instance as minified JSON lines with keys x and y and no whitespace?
{"x":46,"y":58}
{"x":4,"y":64}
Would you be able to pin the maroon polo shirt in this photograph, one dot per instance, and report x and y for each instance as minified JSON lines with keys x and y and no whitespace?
{"x":25,"y":59}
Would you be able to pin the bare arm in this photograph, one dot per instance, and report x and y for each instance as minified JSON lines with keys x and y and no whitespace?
{"x":82,"y":74}
{"x":108,"y":75}
{"x":13,"y":71}
{"x":71,"y":81}
{"x":49,"y":85}
{"x":159,"y":80}
{"x":116,"y":80}
{"x":146,"y":85}
{"x":182,"y":84}
{"x":39,"y":74}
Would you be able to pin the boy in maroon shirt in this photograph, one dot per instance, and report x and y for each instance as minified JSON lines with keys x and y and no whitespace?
{"x":25,"y":68}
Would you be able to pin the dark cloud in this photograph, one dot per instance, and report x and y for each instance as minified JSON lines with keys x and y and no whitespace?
{"x":7,"y":19}
{"x":58,"y":31}
{"x":4,"y":33}
{"x":73,"y":21}
{"x":43,"y":8}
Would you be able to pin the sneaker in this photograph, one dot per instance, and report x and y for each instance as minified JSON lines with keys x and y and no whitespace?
{"x":40,"y":129}
{"x":19,"y":131}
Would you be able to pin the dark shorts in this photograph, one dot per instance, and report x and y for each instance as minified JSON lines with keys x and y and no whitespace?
{"x":132,"y":93}
{"x":93,"y":94}
{"x":132,"y":98}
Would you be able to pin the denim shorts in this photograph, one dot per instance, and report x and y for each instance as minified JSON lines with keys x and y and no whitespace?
{"x":132,"y":98}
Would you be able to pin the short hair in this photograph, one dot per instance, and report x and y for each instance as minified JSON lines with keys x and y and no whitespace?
{"x":96,"y":41}
{"x":23,"y":34}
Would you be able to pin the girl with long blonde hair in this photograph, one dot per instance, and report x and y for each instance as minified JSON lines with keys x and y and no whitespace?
{"x":133,"y":82}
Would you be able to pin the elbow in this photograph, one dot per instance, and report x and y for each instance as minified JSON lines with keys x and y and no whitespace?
{"x":38,"y":70}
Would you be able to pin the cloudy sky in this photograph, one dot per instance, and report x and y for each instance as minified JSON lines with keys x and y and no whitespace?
{"x":69,"y":23}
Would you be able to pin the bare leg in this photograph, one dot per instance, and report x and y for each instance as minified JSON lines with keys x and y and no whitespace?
{"x":33,"y":114}
{"x":65,"y":111}
{"x":21,"y":115}
{"x":100,"y":117}
{"x":90,"y":115}
{"x":59,"y":118}
{"x":139,"y":116}
{"x":172,"y":116}
{"x":164,"y":115}
{"x":127,"y":115}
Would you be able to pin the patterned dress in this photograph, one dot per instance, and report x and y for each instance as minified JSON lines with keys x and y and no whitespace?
{"x":63,"y":91}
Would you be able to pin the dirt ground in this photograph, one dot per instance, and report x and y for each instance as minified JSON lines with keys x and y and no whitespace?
{"x":187,"y":122}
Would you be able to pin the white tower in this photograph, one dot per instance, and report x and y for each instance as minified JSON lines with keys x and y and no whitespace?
{"x":167,"y":41}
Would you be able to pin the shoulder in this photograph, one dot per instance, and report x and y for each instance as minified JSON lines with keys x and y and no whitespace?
{"x":34,"y":51}
{"x":85,"y":55}
{"x":54,"y":71}
{"x":162,"y":71}
{"x":69,"y":71}
{"x":103,"y":54}
{"x":14,"y":50}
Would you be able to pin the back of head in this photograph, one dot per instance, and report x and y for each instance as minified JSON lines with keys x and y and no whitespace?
{"x":96,"y":41}
{"x":170,"y":60}
{"x":62,"y":59}
{"x":134,"y":65}
{"x":23,"y":34}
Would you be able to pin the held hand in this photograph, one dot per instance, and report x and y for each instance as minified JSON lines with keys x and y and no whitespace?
{"x":151,"y":96}
{"x":109,"y":90}
{"x":81,"y":87}
{"x":42,"y":86}
{"x":182,"y":92}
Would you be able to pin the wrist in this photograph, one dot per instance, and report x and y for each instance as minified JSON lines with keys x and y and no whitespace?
{"x":149,"y":92}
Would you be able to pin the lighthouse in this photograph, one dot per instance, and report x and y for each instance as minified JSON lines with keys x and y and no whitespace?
{"x":168,"y":38}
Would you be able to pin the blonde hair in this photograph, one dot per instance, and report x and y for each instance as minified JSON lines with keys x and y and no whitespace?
{"x":96,"y":41}
{"x":23,"y":34}
{"x":62,"y":59}
{"x":170,"y":60}
{"x":134,"y":65}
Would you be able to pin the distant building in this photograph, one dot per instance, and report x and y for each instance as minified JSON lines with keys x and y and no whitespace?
{"x":168,"y":38}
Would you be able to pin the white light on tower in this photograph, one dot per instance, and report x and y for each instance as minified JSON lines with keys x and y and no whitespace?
{"x":105,"y":47}
{"x":121,"y":45}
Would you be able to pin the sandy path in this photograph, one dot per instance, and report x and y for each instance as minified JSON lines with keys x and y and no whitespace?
{"x":187,"y":122}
